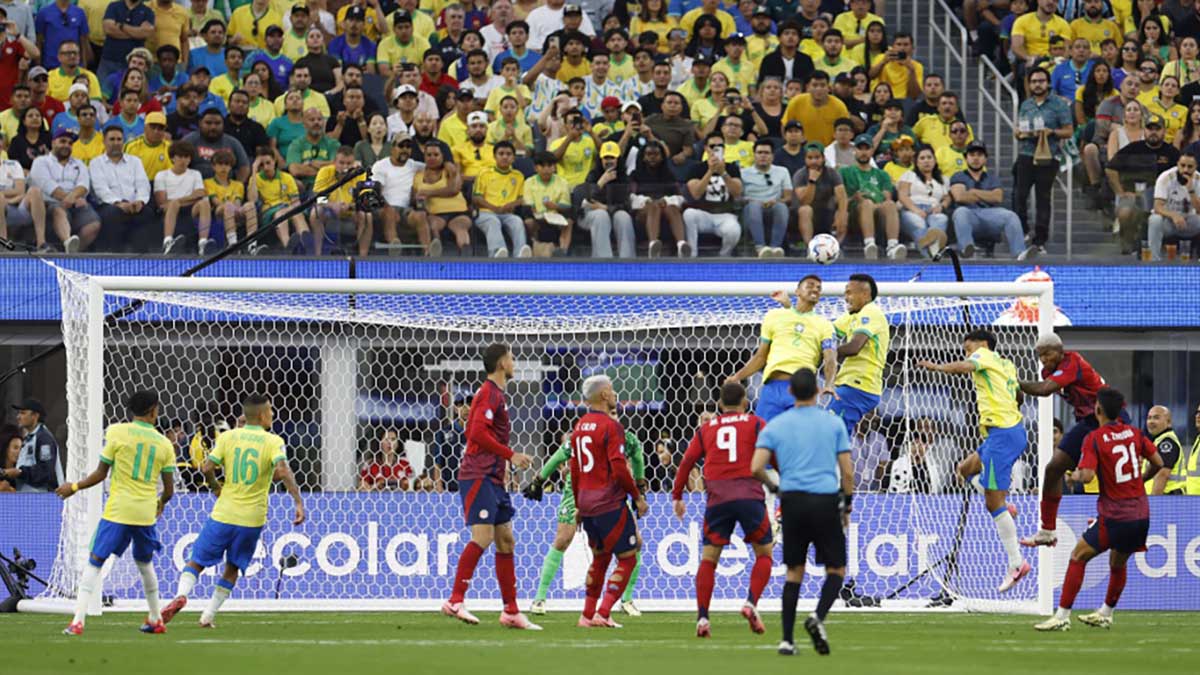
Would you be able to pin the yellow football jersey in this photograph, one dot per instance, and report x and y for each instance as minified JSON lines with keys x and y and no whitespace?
{"x":248,"y":456}
{"x":797,"y":340}
{"x":995,"y":390}
{"x":137,"y":455}
{"x":864,"y":370}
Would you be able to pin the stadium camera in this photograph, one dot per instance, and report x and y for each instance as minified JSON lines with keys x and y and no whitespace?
{"x":368,"y":196}
{"x":15,"y":573}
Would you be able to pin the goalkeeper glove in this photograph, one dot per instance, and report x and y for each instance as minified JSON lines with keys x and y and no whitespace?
{"x":533,"y":491}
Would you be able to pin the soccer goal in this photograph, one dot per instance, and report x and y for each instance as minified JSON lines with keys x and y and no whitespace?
{"x":369,"y":379}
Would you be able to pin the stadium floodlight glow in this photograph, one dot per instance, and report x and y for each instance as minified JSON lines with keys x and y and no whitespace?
{"x":345,"y":359}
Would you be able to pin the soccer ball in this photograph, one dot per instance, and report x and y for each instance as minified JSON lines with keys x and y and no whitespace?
{"x":824,"y":249}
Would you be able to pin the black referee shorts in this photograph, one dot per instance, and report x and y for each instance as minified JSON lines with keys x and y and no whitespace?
{"x":812,"y":519}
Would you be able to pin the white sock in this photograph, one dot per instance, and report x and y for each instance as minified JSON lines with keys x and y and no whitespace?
{"x":150,"y":586}
{"x":1105,"y":610}
{"x":203,"y":242}
{"x":231,"y":238}
{"x":83,"y":596}
{"x":1062,"y":613}
{"x":187,"y":582}
{"x":893,"y":242}
{"x":1007,"y":529}
{"x":220,"y":595}
{"x":867,"y":241}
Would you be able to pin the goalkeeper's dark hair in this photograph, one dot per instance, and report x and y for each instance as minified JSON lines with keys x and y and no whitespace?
{"x":142,"y":402}
{"x":732,"y":394}
{"x":806,"y":277}
{"x":492,"y":356}
{"x":804,"y":384}
{"x":868,"y":280}
{"x":253,"y":404}
{"x":982,"y":335}
{"x":1110,"y":400}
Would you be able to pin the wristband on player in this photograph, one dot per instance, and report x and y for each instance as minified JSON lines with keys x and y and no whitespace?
{"x":74,"y":488}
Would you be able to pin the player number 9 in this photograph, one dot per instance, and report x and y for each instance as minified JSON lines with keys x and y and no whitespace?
{"x":727,"y":441}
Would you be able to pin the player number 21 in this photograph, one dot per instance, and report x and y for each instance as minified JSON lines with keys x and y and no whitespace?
{"x":245,"y":466}
{"x":583,"y":453}
{"x":727,"y":441}
{"x":1128,"y":467}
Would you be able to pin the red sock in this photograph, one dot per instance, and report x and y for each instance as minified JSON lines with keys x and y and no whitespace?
{"x":507,"y":578}
{"x":1116,"y":584}
{"x":595,"y":583}
{"x":1050,"y":512}
{"x":759,"y":576}
{"x":1072,"y":583}
{"x":617,"y":583}
{"x":704,"y":587}
{"x":466,"y":569}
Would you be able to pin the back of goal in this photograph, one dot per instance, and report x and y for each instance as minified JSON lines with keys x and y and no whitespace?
{"x":370,"y":381}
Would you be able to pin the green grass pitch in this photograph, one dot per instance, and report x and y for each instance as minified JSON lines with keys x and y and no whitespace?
{"x":657,"y":643}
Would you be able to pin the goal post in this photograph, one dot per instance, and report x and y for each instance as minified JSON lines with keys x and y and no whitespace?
{"x":367,"y":372}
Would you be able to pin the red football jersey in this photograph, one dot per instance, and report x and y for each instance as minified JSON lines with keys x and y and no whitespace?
{"x":600,"y":473}
{"x":1115,"y":452}
{"x":487,"y":436}
{"x":1079,"y":381}
{"x":727,"y":444}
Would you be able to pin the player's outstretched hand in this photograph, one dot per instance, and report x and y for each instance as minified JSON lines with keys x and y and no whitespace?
{"x":642,"y":506}
{"x":831,"y":392}
{"x":680,"y":509}
{"x":521,"y":460}
{"x":300,"y":515}
{"x":64,"y":491}
{"x":534,"y":490}
{"x":927,"y":365}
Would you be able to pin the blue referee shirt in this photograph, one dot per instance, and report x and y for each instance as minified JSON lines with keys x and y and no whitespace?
{"x":806,"y":442}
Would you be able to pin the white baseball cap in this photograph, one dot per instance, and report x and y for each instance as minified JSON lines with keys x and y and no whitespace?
{"x":404,"y":89}
{"x":78,"y":86}
{"x":477,"y":117}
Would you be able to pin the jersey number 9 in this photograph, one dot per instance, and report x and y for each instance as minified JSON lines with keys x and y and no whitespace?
{"x":727,"y":441}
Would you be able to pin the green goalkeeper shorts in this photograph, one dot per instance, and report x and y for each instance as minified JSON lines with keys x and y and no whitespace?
{"x":566,"y":508}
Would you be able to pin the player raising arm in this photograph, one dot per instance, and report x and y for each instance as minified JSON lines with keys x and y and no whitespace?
{"x":137,"y":455}
{"x":252,"y":458}
{"x":791,"y":338}
{"x":989,"y":468}
{"x":735,"y":497}
{"x":1114,"y":452}
{"x":1069,"y":375}
{"x":486,"y":504}
{"x":600,"y":478}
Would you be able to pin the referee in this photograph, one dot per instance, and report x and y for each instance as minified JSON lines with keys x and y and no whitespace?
{"x":809,"y":446}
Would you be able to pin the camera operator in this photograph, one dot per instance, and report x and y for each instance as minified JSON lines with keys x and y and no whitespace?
{"x":898,"y":68}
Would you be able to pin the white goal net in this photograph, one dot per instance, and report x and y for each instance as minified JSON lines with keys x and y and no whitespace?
{"x":369,"y":379}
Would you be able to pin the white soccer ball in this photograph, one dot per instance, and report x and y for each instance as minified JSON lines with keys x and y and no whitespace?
{"x":824,"y":249}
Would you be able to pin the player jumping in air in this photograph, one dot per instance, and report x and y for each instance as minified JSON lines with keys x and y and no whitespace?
{"x":1114,"y":452}
{"x":252,"y":458}
{"x":735,"y":497}
{"x":486,"y":503}
{"x":1073,"y":378}
{"x":601,"y":479}
{"x":566,"y":521}
{"x":989,"y":468}
{"x":137,"y":456}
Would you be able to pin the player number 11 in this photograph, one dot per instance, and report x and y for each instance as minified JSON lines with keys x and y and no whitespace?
{"x":148,"y":474}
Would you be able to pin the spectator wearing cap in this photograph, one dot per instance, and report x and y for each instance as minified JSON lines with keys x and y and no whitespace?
{"x":761,"y":38}
{"x":822,"y":205}
{"x":709,"y":8}
{"x":166,"y":76}
{"x":833,"y":61}
{"x":395,"y":175}
{"x":127,"y":26}
{"x":741,"y":72}
{"x":869,"y":189}
{"x":790,"y":154}
{"x":88,"y":144}
{"x":295,"y":39}
{"x":1040,"y":115}
{"x":517,"y":33}
{"x":77,"y":97}
{"x":978,"y":197}
{"x":223,"y":85}
{"x":768,"y":195}
{"x":248,"y":24}
{"x":898,"y":68}
{"x":38,"y":468}
{"x":152,"y":147}
{"x":64,"y":182}
{"x":56,"y":23}
{"x":475,"y":154}
{"x":373,"y":19}
{"x":511,"y":126}
{"x":212,"y":54}
{"x":39,"y":88}
{"x":62,"y":77}
{"x":352,"y":46}
{"x":138,"y":59}
{"x":1139,"y":162}
{"x":787,"y":62}
{"x":404,"y":119}
{"x":935,"y":130}
{"x":301,"y":80}
{"x":903,"y":153}
{"x":122,"y":190}
{"x":816,"y":109}
{"x":1073,"y":72}
{"x":696,"y":89}
{"x":172,"y":25}
{"x":497,"y":194}
{"x":280,"y":65}
{"x":713,"y":188}
{"x":245,"y":129}
{"x":453,"y":128}
{"x":402,"y":46}
{"x":209,"y":139}
{"x":603,"y":202}
{"x":309,"y":153}
{"x":889,"y":128}
{"x":553,"y":16}
{"x":610,"y":121}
